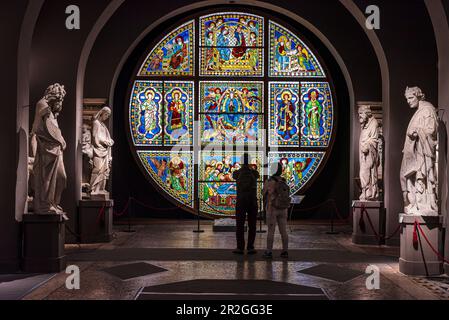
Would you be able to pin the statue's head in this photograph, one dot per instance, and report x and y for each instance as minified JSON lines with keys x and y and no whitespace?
{"x":414,"y":95}
{"x":103,"y":114}
{"x":364,"y":114}
{"x":86,"y":128}
{"x":55,"y":95}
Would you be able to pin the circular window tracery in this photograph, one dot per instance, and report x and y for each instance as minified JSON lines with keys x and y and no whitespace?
{"x":222,"y":82}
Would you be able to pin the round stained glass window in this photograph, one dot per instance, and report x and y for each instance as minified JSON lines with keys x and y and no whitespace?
{"x":221,"y":85}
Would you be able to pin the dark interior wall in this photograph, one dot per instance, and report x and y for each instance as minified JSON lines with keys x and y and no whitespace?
{"x":11,"y":16}
{"x":336,"y":24}
{"x":408,"y":40}
{"x":55,"y":55}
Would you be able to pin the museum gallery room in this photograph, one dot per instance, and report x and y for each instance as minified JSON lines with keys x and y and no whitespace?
{"x":224,"y":150}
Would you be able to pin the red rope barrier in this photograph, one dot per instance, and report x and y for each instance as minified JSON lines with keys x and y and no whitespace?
{"x":101,"y":214}
{"x":124,"y":210}
{"x":364,"y":211}
{"x":439,"y":255}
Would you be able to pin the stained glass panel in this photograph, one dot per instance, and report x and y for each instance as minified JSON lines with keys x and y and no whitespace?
{"x":146,"y":113}
{"x":174,"y":55}
{"x":218,"y":191}
{"x":289,"y":56}
{"x":178,"y":113}
{"x":316,"y":114}
{"x":242,"y":29}
{"x":219,"y":166}
{"x":235,"y":129}
{"x":298,"y":167}
{"x":222,"y":62}
{"x":231,"y":113}
{"x":284,"y":113}
{"x":172,"y":171}
{"x":232,"y":97}
{"x":232,"y":45}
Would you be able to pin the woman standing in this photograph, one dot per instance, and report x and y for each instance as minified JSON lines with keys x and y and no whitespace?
{"x":276,"y":195}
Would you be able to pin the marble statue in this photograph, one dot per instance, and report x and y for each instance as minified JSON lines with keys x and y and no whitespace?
{"x":49,"y":176}
{"x":86,"y":142}
{"x":418,"y":169}
{"x":88,"y":154}
{"x":102,"y":154}
{"x":369,"y":154}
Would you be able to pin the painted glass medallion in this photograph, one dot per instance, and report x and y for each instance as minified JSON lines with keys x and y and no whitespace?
{"x":173,"y":55}
{"x":316,"y":114}
{"x":172,"y":172}
{"x":178,"y":113}
{"x":146,"y":113}
{"x":289,"y":56}
{"x":298,"y":167}
{"x":284,"y":114}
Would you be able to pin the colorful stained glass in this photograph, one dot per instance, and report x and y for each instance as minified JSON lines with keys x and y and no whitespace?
{"x":145,"y":113}
{"x":219,"y":166}
{"x":178,"y":113}
{"x":232,"y":114}
{"x":235,"y":129}
{"x":298,"y":167}
{"x":218,"y":191}
{"x":316,"y":114}
{"x":284,"y":114}
{"x":173,"y":55}
{"x":172,"y":172}
{"x":289,"y":56}
{"x":232,"y":30}
{"x":231,"y":97}
{"x":222,"y":62}
{"x":232,"y":45}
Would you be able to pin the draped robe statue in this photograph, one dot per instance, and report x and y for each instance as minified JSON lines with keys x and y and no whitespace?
{"x":369,"y":155}
{"x":418,"y":171}
{"x":49,"y":176}
{"x":102,"y":155}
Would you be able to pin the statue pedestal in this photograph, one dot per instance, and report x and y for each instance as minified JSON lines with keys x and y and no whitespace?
{"x":366,"y":235}
{"x":95,"y":220}
{"x":415,"y":258}
{"x":43,"y":243}
{"x":226,"y":225}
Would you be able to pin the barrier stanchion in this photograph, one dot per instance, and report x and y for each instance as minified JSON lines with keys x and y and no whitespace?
{"x":332,"y":230}
{"x":130,"y":212}
{"x":198,"y":229}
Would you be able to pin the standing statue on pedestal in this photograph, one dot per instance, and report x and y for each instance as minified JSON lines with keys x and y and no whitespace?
{"x":102,"y":155}
{"x":88,"y":154}
{"x":418,"y":170}
{"x":49,"y":174}
{"x":369,"y":154}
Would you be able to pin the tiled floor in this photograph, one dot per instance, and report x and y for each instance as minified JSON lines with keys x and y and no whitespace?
{"x":310,"y":246}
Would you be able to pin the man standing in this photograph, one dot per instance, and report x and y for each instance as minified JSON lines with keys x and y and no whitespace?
{"x":246,"y":179}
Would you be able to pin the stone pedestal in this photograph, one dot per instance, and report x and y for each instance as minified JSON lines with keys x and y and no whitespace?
{"x":376,"y":213}
{"x":226,"y":225}
{"x":95,"y":220}
{"x":43,"y":243}
{"x":414,"y":259}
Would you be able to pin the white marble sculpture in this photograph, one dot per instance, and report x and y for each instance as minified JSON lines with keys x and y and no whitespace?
{"x":88,"y":154}
{"x":49,"y":176}
{"x":369,"y":154}
{"x":418,"y":170}
{"x":102,"y":155}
